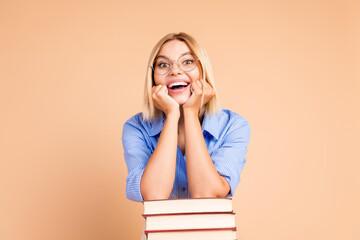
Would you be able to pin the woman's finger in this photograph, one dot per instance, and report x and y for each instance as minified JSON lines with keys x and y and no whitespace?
{"x":199,"y":84}
{"x":209,"y":92}
{"x":196,"y":87}
{"x":156,"y":89}
{"x":164,"y":89}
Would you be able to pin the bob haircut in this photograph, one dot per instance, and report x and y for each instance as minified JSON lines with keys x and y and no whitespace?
{"x":150,"y":113}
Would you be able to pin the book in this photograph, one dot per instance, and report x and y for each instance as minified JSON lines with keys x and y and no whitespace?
{"x":193,"y":234}
{"x":188,"y":205}
{"x":204,"y":220}
{"x":190,"y":219}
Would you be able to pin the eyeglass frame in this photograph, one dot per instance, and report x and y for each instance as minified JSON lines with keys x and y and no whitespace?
{"x":171,"y":61}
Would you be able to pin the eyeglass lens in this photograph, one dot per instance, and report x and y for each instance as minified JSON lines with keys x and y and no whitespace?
{"x":163,"y":65}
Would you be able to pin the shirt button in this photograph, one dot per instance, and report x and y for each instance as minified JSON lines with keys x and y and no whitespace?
{"x":183,"y":189}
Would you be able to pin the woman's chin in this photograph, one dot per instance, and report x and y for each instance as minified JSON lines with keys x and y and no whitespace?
{"x":181,"y":99}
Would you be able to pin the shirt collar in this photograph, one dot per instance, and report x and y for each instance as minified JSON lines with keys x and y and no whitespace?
{"x":157,"y":125}
{"x":210,"y":124}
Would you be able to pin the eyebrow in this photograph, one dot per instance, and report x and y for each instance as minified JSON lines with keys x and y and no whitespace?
{"x":178,"y":57}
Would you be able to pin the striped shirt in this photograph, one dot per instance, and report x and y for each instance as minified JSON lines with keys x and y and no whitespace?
{"x":226,"y":135}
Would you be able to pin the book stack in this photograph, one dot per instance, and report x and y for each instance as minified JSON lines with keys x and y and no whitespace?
{"x":190,"y":219}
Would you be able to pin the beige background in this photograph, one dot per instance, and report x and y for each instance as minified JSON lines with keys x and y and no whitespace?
{"x":72,"y":73}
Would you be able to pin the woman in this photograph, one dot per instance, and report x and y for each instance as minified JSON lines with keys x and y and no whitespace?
{"x":183,"y":145}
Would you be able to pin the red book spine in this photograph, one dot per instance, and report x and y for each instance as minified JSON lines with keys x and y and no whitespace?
{"x":191,"y":230}
{"x":228,"y":198}
{"x":190,"y":213}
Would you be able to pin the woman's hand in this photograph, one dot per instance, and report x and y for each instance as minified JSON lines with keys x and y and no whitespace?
{"x":194,"y":101}
{"x":163,"y":101}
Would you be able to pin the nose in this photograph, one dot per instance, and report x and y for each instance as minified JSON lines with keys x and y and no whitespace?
{"x":175,"y":68}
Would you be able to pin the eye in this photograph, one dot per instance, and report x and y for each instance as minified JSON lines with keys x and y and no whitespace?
{"x":163,"y":65}
{"x":188,"y":61}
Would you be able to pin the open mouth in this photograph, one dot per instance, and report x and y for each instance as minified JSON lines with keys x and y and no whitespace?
{"x":178,"y":85}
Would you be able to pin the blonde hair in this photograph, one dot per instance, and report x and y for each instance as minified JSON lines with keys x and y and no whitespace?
{"x":211,"y":107}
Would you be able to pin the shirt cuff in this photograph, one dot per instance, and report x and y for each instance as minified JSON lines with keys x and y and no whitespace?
{"x":133,"y":185}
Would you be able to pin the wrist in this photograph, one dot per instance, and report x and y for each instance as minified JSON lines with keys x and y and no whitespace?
{"x":174,"y":113}
{"x":190,"y":112}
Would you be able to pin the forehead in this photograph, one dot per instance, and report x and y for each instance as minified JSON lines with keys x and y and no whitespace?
{"x":173,"y":49}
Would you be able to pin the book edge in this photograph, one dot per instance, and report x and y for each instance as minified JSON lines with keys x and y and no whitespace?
{"x":185,"y":213}
{"x":182,"y":199}
{"x":190,"y":230}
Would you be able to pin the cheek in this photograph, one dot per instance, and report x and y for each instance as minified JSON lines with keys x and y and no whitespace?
{"x":195,"y":75}
{"x":198,"y":72}
{"x":158,"y":79}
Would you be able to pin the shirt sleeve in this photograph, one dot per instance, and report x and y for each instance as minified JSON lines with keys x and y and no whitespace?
{"x":229,"y":158}
{"x":136,"y":153}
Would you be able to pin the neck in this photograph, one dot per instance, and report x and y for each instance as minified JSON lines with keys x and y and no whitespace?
{"x":181,"y":124}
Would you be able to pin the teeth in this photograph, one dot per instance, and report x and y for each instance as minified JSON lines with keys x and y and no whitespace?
{"x":177,"y":84}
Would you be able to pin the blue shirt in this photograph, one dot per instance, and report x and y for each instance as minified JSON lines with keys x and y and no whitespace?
{"x":226,"y":135}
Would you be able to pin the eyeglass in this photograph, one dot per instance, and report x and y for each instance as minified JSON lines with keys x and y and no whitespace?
{"x":162,"y":65}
